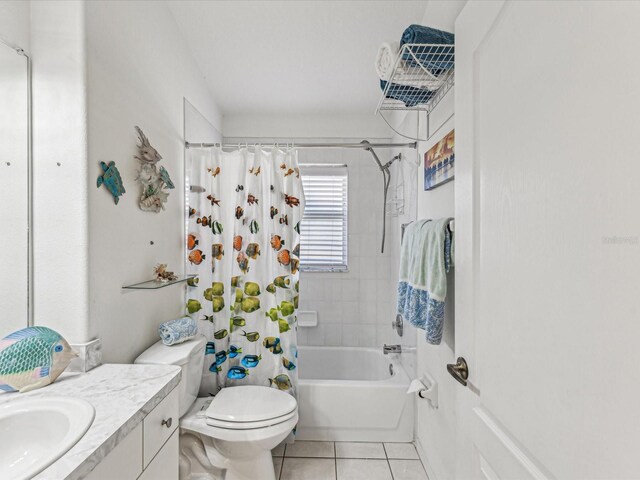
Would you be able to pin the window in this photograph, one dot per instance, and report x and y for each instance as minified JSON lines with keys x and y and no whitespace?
{"x":323,"y":230}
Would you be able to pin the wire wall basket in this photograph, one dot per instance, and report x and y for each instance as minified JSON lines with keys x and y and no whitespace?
{"x":421,"y":76}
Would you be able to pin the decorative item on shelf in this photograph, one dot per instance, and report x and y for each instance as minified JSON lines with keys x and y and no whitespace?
{"x":439,"y":162}
{"x":154,"y":180}
{"x":32,"y":358}
{"x":112,"y":180}
{"x":162,"y":275}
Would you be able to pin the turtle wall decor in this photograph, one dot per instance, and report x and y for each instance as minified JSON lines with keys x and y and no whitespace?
{"x":112,"y":180}
{"x":155,"y":182}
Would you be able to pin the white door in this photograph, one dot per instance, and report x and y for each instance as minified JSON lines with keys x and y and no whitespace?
{"x":547,"y":239}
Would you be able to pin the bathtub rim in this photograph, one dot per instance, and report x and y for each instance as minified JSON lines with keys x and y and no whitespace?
{"x":399,"y":377}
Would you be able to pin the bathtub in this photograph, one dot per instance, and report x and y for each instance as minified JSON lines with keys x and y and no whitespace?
{"x":352,"y":394}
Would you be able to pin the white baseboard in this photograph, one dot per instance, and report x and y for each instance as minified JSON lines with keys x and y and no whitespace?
{"x":431,"y":474}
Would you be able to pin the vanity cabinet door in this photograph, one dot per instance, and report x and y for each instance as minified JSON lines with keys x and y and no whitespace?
{"x":161,"y":422}
{"x":124,"y":462}
{"x":165,"y":465}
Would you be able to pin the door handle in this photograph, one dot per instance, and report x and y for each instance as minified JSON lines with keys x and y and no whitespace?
{"x":459,"y":370}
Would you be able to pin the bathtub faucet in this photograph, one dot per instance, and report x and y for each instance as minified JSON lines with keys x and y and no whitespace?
{"x":391,"y":349}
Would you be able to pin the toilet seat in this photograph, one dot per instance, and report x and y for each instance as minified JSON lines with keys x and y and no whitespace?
{"x":251,"y":425}
{"x":195,"y":421}
{"x":250,"y":406}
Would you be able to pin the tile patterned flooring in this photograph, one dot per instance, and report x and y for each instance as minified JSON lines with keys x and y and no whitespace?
{"x":347,"y":461}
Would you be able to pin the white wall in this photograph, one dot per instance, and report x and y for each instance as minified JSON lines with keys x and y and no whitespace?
{"x":60,"y":166}
{"x":14,"y":23}
{"x":98,"y":71}
{"x":139,"y":72}
{"x":354,"y":308}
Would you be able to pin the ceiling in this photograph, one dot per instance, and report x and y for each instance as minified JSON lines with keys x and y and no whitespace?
{"x":304,"y":57}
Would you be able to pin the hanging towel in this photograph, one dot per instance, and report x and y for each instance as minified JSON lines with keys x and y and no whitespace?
{"x":434,"y":59}
{"x":410,"y":96}
{"x":425,"y":259}
{"x":178,"y":330}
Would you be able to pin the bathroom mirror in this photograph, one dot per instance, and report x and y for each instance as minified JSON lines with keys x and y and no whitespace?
{"x":15,"y":190}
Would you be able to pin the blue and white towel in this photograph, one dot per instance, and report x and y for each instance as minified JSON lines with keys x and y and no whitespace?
{"x":178,"y":330}
{"x":425,"y":259}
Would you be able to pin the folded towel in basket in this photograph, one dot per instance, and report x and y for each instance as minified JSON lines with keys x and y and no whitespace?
{"x":410,"y":96}
{"x":435,"y":59}
{"x":178,"y":330}
{"x":404,"y":74}
{"x":425,"y":259}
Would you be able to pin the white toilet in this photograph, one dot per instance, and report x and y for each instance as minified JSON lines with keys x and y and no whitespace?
{"x":229,"y":436}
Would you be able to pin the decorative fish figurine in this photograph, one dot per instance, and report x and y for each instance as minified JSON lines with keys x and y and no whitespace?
{"x":112,"y":180}
{"x":32,"y":358}
{"x":282,"y":381}
{"x":234,"y":351}
{"x":237,"y":373}
{"x":251,"y":361}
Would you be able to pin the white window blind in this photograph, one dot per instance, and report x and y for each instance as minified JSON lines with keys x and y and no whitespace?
{"x":323,"y":230}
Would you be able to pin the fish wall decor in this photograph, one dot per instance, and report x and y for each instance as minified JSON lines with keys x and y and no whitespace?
{"x":32,"y":357}
{"x":155,"y":182}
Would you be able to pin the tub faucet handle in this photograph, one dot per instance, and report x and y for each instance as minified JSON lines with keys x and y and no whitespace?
{"x":391,"y":349}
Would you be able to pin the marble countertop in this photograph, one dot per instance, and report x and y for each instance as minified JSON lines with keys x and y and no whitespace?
{"x":122,"y":396}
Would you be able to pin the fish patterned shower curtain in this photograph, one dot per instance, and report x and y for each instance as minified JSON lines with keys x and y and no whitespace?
{"x":243,"y":246}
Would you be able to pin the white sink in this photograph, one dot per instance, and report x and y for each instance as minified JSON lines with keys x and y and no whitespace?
{"x":35,"y":432}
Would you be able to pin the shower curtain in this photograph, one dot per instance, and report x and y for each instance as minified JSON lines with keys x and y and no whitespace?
{"x":244,"y":210}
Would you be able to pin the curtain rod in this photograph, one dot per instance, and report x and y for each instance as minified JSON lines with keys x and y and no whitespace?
{"x":305,"y":145}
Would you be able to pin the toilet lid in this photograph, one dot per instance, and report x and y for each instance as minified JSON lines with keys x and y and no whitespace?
{"x":250,"y":403}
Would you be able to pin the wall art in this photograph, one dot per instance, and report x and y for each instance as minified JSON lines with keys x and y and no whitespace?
{"x":155,"y":182}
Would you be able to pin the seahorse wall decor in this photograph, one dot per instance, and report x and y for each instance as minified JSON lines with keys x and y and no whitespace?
{"x":155,"y":182}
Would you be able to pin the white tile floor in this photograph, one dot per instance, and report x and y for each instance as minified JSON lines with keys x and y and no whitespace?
{"x":347,"y":461}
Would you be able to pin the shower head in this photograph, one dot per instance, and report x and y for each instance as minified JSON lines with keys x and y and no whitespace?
{"x":386,"y":179}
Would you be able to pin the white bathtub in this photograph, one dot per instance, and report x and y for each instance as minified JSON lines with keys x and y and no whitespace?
{"x":349,"y":394}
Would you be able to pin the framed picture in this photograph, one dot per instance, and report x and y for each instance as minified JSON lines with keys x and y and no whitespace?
{"x":439,"y":162}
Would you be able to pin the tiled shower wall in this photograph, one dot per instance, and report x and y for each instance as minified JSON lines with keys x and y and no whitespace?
{"x":354,"y":308}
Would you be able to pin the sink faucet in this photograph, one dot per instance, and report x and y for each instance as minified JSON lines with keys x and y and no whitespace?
{"x":391,"y":349}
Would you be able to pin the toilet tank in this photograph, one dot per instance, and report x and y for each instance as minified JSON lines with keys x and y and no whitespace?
{"x":189,"y":356}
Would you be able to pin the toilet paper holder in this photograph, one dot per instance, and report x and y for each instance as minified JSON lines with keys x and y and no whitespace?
{"x":426,"y":388}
